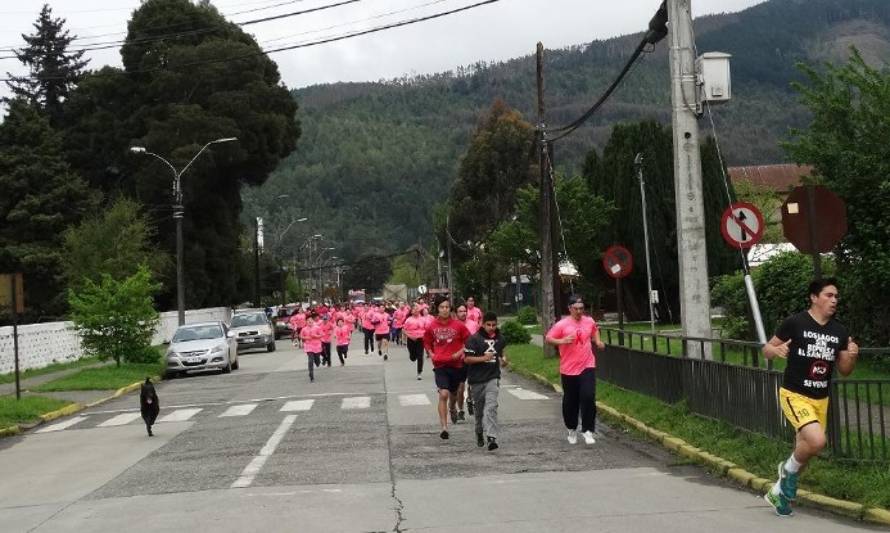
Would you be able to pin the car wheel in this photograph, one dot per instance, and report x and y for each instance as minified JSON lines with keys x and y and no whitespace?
{"x":171,"y":375}
{"x":228,"y":368}
{"x":270,"y":347}
{"x":236,"y":365}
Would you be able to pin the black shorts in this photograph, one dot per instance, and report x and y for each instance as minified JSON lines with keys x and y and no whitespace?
{"x":382,"y":336}
{"x":449,"y":378}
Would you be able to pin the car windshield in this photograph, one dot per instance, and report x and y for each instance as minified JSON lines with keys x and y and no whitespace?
{"x":254,"y":319}
{"x":197,"y":333}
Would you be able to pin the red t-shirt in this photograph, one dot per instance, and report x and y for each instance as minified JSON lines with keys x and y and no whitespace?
{"x":444,"y":340}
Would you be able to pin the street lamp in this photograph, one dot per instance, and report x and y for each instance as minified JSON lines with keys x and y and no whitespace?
{"x":178,"y":211}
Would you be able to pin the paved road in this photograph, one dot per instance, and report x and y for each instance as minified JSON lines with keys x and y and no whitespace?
{"x":358,"y":451}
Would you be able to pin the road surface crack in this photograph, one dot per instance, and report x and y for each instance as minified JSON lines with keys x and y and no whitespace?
{"x":399,"y":505}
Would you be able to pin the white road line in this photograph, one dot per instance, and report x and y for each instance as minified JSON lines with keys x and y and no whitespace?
{"x":407,"y":400}
{"x":256,"y":464}
{"x":62,"y":425}
{"x":523,"y":394}
{"x":180,"y":415}
{"x":297,"y":405}
{"x":120,"y":420}
{"x":357,"y":402}
{"x":239,"y":410}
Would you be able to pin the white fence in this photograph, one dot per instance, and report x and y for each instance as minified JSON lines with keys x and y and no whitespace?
{"x":57,"y":342}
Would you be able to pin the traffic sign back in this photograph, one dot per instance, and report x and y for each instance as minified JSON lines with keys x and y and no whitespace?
{"x":814,"y":219}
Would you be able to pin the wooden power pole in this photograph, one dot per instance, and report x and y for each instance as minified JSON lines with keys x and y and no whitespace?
{"x":549,"y":268}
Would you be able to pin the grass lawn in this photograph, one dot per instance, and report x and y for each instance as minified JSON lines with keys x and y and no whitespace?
{"x":28,"y":409}
{"x":865,"y":483}
{"x":105,"y":378}
{"x":55,"y":367}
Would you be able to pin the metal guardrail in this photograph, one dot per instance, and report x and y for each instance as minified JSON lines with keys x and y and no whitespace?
{"x":738,"y":387}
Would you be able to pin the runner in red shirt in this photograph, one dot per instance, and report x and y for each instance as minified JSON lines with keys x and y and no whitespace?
{"x":444,"y":340}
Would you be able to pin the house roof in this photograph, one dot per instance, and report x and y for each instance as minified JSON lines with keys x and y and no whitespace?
{"x":780,"y":178}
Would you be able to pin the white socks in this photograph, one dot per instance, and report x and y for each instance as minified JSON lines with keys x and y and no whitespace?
{"x":792,"y":466}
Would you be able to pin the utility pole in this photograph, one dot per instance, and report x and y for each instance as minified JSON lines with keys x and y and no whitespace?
{"x":548,"y":268}
{"x":695,"y":298}
{"x":448,"y":247}
{"x":256,"y":261}
{"x":638,"y":162}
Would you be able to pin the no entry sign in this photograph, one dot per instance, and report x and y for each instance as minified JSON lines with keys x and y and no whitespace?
{"x":618,"y":262}
{"x":742,"y":225}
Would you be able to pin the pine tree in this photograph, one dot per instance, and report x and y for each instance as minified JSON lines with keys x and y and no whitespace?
{"x":53,"y":71}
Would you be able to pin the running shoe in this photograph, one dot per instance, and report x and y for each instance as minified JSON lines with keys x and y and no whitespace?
{"x":454,"y":416}
{"x":460,"y":416}
{"x":379,"y":352}
{"x":788,"y":483}
{"x":385,"y":356}
{"x":588,"y":437}
{"x":444,"y":434}
{"x":572,"y":436}
{"x":418,"y":377}
{"x":479,"y":440}
{"x":492,"y":444}
{"x":779,"y":503}
{"x":469,"y":407}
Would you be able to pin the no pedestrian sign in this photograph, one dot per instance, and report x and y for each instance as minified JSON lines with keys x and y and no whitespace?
{"x":742,"y":225}
{"x":618,"y":262}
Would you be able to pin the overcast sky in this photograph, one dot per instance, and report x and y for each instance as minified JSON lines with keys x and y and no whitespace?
{"x":498,"y":31}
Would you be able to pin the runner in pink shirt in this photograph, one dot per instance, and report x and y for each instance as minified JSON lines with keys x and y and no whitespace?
{"x":415,"y":327}
{"x":311,"y":335}
{"x":381,"y":332}
{"x":574,"y":336}
{"x":368,"y":328}
{"x":297,"y":323}
{"x":398,"y":322}
{"x":342,"y":332}
{"x":327,"y":330}
{"x":474,"y":316}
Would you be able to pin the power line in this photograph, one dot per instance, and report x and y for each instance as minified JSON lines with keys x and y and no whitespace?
{"x":308,"y":44}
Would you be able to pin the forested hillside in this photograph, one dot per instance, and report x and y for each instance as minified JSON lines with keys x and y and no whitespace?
{"x":375,"y":158}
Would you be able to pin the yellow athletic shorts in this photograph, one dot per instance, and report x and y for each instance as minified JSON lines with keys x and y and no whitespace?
{"x":801,"y":410}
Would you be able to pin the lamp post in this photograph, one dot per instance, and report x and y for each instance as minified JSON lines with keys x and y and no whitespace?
{"x":178,"y":212}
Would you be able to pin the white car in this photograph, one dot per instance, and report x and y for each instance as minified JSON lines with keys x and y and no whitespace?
{"x":253,"y":330}
{"x":203,"y":346}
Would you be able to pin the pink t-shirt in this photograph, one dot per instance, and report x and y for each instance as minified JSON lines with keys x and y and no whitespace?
{"x":415,"y":327}
{"x":398,"y":318}
{"x":367,"y":317}
{"x":326,"y":330}
{"x":311,"y":336}
{"x":342,"y":332}
{"x":298,"y":320}
{"x":474,"y":319}
{"x":382,"y":326}
{"x":576,"y":357}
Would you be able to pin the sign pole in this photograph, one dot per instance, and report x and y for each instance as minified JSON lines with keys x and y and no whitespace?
{"x":15,"y":335}
{"x":620,"y":311}
{"x":811,"y":214}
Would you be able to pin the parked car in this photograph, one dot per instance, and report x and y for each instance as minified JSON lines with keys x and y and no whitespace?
{"x":282,"y":320}
{"x":253,"y":330}
{"x":202,"y":346}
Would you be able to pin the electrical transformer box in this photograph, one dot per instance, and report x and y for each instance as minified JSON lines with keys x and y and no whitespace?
{"x":714,"y":75}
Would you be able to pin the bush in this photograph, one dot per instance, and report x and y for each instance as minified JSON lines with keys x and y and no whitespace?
{"x":527,"y":316}
{"x":515,"y":333}
{"x":116,"y":319}
{"x":781,"y":285}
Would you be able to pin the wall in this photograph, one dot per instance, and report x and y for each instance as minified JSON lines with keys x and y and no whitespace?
{"x":57,"y":342}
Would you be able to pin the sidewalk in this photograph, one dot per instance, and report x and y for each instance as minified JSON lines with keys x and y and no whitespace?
{"x":81,"y":397}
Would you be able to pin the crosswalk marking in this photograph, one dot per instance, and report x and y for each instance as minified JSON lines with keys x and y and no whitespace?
{"x":407,"y":400}
{"x":297,"y":405}
{"x":256,"y":464}
{"x":239,"y":410}
{"x":62,"y":425}
{"x":120,"y":420}
{"x":180,"y":415}
{"x":523,"y":394}
{"x":357,"y":402}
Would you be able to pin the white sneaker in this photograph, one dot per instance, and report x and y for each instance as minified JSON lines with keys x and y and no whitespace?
{"x":588,"y":437}
{"x":572,"y":436}
{"x":418,"y":377}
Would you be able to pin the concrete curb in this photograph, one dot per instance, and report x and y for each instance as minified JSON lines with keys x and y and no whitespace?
{"x":729,"y":469}
{"x":71,"y":409}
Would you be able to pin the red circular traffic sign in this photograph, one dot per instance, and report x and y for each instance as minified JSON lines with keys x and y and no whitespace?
{"x":618,"y":262}
{"x":742,"y":225}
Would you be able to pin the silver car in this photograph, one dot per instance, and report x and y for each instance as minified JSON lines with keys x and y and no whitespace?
{"x":204,"y":346}
{"x":253,"y":330}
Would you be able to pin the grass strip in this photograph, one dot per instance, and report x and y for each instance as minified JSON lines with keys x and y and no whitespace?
{"x":26,"y":410}
{"x":54,"y":367}
{"x":104,"y":378}
{"x":866,"y":483}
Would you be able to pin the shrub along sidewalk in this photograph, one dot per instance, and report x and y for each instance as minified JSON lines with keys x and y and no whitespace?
{"x":864,"y":483}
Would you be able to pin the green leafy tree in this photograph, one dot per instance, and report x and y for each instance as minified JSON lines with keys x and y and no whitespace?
{"x":116,"y":317}
{"x":41,"y":197}
{"x":181,"y":92}
{"x":114,"y":242}
{"x":53,"y":70}
{"x":846,"y":142}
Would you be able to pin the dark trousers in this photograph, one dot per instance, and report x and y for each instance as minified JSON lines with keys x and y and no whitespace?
{"x":326,"y":353}
{"x":341,"y":352}
{"x":579,"y":394}
{"x":415,"y":352}
{"x":314,"y":361}
{"x":369,"y":339}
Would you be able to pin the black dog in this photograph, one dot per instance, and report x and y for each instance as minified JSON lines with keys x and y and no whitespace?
{"x":149,"y":405}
